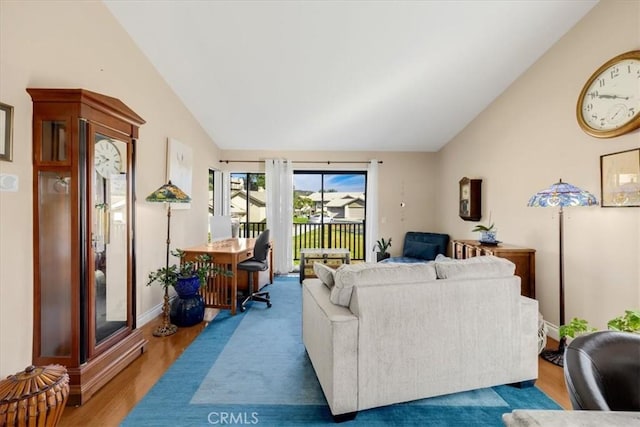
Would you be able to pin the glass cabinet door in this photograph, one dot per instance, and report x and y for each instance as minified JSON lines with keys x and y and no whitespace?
{"x":109,"y":236}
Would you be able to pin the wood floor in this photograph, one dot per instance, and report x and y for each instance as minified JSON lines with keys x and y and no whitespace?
{"x":110,"y":405}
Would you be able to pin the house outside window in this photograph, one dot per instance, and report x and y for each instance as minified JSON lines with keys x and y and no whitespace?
{"x":248,"y":202}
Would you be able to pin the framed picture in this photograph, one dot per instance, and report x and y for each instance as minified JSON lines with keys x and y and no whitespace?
{"x":6,"y":132}
{"x":179,"y":168}
{"x":620,"y":179}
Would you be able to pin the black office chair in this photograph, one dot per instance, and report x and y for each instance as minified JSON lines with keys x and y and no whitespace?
{"x":602,"y":371}
{"x":257,"y":263}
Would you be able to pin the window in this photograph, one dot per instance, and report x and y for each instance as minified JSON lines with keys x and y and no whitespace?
{"x":248,"y":202}
{"x":329,"y":210}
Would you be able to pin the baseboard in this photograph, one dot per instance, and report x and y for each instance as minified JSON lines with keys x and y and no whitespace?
{"x":552,"y":331}
{"x":151,"y":314}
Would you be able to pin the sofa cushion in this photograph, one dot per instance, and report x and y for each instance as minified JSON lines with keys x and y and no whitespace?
{"x":324,"y":273}
{"x":475,"y":268}
{"x":420,"y":250}
{"x":366,"y":274}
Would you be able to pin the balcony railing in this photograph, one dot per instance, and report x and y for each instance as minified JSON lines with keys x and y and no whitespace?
{"x":349,"y":235}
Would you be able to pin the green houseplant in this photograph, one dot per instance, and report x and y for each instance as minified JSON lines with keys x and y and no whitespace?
{"x":628,"y":322}
{"x":381,"y":248}
{"x":574,"y":328}
{"x":188,"y":276}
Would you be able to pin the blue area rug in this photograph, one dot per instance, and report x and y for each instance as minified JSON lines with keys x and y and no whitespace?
{"x":252,"y":369}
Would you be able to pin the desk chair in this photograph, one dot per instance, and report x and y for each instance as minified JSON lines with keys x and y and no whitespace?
{"x":257,"y":263}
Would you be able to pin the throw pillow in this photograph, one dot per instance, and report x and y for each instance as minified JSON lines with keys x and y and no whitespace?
{"x":475,"y":268}
{"x":366,"y":274}
{"x":420,"y":250}
{"x":324,"y":273}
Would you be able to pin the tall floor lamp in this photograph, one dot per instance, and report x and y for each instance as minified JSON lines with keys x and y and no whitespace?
{"x":168,"y":194}
{"x":560,"y":194}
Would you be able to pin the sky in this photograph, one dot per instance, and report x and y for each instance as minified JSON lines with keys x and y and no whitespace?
{"x":340,"y":182}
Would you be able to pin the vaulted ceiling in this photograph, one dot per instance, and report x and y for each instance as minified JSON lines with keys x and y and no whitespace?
{"x":342,"y":75}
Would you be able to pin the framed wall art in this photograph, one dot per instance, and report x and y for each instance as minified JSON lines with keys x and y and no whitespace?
{"x":6,"y":132}
{"x":620,"y":179}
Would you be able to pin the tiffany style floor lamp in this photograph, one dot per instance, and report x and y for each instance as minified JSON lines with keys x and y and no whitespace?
{"x":560,"y":195}
{"x":168,"y":194}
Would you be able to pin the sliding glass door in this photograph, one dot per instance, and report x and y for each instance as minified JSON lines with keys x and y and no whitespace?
{"x":330,"y":211}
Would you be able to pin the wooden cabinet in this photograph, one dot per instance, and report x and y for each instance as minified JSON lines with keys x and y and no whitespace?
{"x":83,"y":222}
{"x":523,"y":258}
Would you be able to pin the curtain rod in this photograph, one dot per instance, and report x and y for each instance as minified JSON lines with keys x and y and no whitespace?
{"x":299,"y":161}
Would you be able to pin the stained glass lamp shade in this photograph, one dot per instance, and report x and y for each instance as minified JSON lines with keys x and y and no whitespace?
{"x":168,"y":194}
{"x":561,"y":194}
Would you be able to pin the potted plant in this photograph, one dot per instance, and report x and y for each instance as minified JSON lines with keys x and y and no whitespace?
{"x":629,"y":322}
{"x":487,"y":233}
{"x":381,"y":248}
{"x":574,"y":328}
{"x":188,"y":276}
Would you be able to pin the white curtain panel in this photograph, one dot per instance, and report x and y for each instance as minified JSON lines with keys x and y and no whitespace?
{"x":279,"y":182}
{"x":371,"y":230}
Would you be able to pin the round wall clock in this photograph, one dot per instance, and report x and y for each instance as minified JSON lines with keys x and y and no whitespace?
{"x":107,"y":158}
{"x":609,"y":104}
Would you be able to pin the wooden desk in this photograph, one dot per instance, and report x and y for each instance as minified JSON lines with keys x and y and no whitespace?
{"x":222,"y":292}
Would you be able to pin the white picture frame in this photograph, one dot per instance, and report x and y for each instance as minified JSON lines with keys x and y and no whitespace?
{"x":180,"y":168}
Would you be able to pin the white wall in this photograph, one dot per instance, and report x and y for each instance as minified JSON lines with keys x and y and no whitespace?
{"x":80,"y":45}
{"x":528,"y":139}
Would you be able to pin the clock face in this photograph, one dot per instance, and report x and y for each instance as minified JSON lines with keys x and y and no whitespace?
{"x":465,"y":191}
{"x":107,"y":159}
{"x":609,"y":104}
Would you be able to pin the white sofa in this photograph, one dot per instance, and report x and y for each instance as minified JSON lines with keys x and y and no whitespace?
{"x":379,"y":334}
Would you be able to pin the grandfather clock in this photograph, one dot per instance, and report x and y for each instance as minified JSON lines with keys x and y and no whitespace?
{"x":83,"y":222}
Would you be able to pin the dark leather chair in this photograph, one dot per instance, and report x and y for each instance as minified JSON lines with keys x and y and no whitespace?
{"x":602,"y":371}
{"x":257,"y":263}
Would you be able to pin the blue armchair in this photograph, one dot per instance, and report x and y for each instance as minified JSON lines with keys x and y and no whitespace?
{"x":421,"y":247}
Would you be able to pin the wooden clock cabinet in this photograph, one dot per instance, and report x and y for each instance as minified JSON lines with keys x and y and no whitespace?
{"x":84,"y":224}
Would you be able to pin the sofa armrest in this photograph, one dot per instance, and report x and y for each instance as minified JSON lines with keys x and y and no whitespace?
{"x":330,"y":335}
{"x":529,"y":336}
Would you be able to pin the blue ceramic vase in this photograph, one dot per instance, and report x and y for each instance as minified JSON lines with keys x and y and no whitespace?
{"x":188,"y":308}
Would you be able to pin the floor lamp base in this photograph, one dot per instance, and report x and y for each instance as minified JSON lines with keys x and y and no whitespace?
{"x":167,"y":327}
{"x":555,"y":356}
{"x":165,"y":330}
